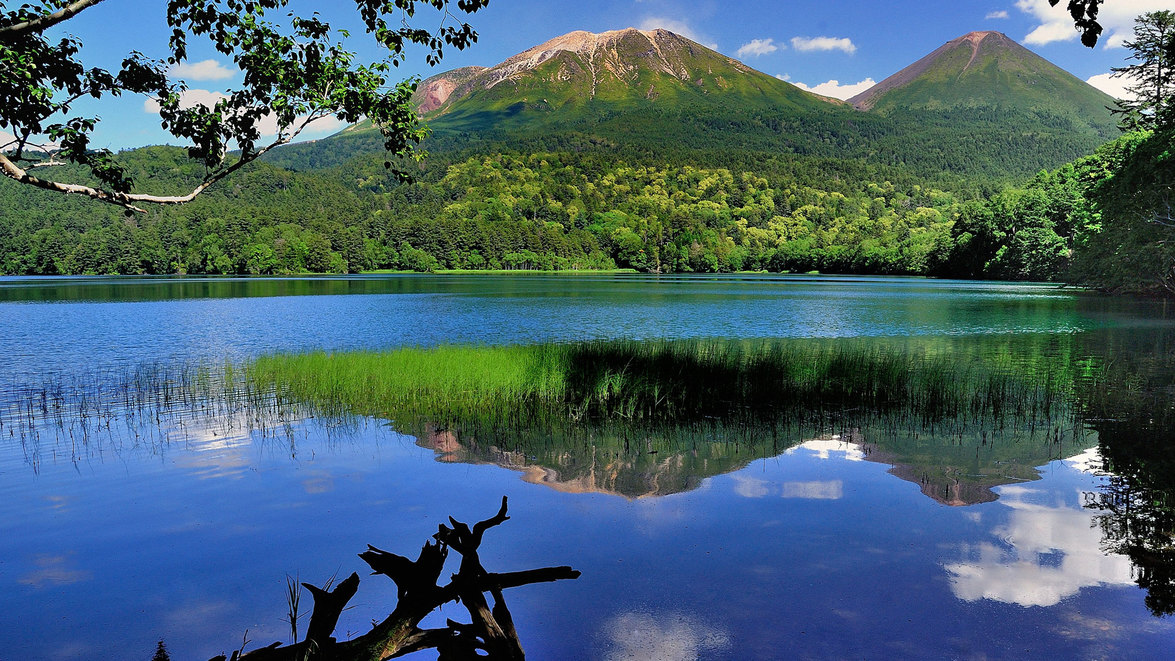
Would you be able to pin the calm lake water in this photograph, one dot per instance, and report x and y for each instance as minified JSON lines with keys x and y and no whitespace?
{"x":853,"y":543}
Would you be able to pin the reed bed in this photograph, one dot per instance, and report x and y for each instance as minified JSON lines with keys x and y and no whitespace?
{"x":555,"y":400}
{"x":656,"y":381}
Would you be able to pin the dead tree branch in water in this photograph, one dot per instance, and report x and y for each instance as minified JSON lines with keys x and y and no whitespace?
{"x":490,"y":635}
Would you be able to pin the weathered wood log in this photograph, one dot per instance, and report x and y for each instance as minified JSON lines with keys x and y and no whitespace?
{"x":328,"y":606}
{"x":490,"y":635}
{"x":410,"y":577}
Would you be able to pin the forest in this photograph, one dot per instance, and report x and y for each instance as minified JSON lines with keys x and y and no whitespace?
{"x":503,"y":211}
{"x":579,"y":210}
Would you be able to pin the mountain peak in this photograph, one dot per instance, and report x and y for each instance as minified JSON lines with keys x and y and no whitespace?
{"x":980,"y":35}
{"x":604,"y":53}
{"x":582,"y":41}
{"x":984,"y":69}
{"x":627,"y":67}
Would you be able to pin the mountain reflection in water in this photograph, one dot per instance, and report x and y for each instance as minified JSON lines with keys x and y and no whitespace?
{"x":953,"y":471}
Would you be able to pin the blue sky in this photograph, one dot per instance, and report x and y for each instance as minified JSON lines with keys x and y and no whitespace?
{"x":835,"y":47}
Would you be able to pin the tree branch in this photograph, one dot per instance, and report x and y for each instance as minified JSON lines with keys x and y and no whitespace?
{"x":46,"y":21}
{"x":480,"y":527}
{"x":52,"y":162}
{"x":13,"y":171}
{"x":129,"y":200}
{"x":1166,"y":220}
{"x":328,"y":606}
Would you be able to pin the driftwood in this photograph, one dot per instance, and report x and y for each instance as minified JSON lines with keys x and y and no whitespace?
{"x":490,"y":634}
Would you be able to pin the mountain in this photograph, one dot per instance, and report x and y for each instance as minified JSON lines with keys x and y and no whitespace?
{"x":980,"y":108}
{"x":989,"y":70}
{"x":436,"y":91}
{"x":620,"y":69}
{"x":628,"y":148}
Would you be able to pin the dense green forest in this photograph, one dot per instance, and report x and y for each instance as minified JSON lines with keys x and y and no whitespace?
{"x":502,"y":211}
{"x":585,"y":209}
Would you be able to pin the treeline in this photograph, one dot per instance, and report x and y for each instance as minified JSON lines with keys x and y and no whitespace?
{"x":1104,"y":221}
{"x":541,"y":211}
{"x":1020,"y":233}
{"x":972,"y":147}
{"x":263,"y":220}
{"x":1092,"y":221}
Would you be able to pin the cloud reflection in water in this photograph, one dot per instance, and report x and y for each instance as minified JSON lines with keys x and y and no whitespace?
{"x":824,"y":448}
{"x":53,"y":570}
{"x":660,"y":637}
{"x":1045,"y":554}
{"x":753,"y":487}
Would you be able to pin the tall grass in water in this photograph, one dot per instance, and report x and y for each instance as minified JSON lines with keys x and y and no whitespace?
{"x":653,"y":382}
{"x":444,"y":380}
{"x":609,"y":395}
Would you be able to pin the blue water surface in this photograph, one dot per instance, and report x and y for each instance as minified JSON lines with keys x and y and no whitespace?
{"x":185,"y":529}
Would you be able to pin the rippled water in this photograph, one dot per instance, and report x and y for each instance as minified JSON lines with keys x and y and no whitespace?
{"x":862,"y":543}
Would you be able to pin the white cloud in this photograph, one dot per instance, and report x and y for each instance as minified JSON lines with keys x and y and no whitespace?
{"x":996,"y":14}
{"x":203,"y":70}
{"x":188,"y":99}
{"x":824,"y":448}
{"x":36,"y":144}
{"x":677,"y":27}
{"x":1116,"y":18}
{"x":268,"y":123}
{"x":807,"y":44}
{"x":835,"y":89}
{"x":1114,"y":86}
{"x":1091,"y":460}
{"x":816,"y":490}
{"x":1046,"y":554}
{"x":322,"y":125}
{"x":751,"y":487}
{"x":757,"y":47}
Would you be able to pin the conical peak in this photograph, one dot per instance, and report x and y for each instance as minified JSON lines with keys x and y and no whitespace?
{"x":978,"y":36}
{"x":582,"y":41}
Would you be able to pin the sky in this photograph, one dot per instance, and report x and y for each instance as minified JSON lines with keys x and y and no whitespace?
{"x":833,"y":47}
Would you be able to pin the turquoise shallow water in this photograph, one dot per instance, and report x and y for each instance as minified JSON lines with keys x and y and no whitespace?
{"x":813,"y":546}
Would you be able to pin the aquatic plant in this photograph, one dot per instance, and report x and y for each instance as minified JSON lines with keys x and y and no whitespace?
{"x":655,"y":416}
{"x":655,"y":382}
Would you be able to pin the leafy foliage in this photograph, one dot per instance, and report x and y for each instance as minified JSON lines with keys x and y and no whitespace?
{"x":1084,"y":13}
{"x":1126,"y":245}
{"x":296,"y":71}
{"x":544,"y":211}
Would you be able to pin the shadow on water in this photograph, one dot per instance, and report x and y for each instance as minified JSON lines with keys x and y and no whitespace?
{"x":1130,"y":404}
{"x":175,"y":288}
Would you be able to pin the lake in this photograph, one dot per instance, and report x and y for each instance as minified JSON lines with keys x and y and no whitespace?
{"x":880,"y":541}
